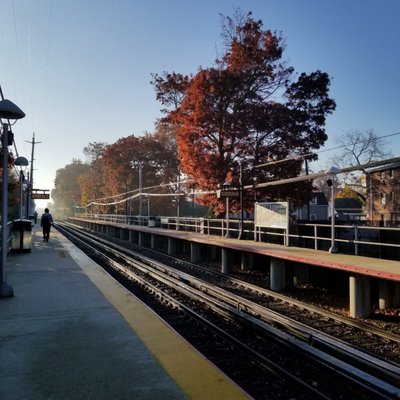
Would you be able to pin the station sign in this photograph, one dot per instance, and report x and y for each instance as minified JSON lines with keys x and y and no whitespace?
{"x":232,"y":193}
{"x":39,"y":194}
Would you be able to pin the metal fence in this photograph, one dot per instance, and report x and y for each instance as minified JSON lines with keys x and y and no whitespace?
{"x":371,"y":241}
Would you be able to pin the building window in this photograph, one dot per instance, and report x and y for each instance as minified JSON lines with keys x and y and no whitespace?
{"x":382,"y":176}
{"x":383,"y":198}
{"x":393,"y":197}
{"x":392,"y":173}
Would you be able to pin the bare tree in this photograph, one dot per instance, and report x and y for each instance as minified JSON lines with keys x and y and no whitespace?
{"x":357,"y":148}
{"x":360,"y":147}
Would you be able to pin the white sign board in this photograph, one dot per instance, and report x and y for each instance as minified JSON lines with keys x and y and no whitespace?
{"x":272,"y":215}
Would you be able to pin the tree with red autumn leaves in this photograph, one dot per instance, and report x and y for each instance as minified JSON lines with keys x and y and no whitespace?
{"x":112,"y":172}
{"x":115,"y":169}
{"x":249,"y":108}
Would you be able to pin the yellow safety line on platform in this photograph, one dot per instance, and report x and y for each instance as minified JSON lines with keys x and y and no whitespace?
{"x":194,"y":374}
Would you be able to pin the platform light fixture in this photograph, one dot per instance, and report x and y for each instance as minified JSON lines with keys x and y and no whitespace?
{"x":8,"y":111}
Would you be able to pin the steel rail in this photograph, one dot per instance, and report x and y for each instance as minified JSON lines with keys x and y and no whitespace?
{"x":240,"y":283}
{"x":241,"y":307}
{"x":271,"y":366}
{"x":288,"y":300}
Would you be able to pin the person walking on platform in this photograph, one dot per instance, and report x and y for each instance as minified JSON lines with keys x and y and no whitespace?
{"x":45,"y":223}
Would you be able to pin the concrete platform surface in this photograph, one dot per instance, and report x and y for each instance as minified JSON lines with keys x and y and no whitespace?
{"x":72,"y":332}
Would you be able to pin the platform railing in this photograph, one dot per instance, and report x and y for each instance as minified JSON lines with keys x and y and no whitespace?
{"x":374,"y":241}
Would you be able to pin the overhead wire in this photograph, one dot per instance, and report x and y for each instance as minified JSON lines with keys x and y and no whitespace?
{"x":260,"y":185}
{"x":49,"y":38}
{"x":17,"y":50}
{"x":29,"y":40}
{"x":30,"y":58}
{"x":373,"y":164}
{"x":49,"y":41}
{"x":300,"y":156}
{"x":144,"y":188}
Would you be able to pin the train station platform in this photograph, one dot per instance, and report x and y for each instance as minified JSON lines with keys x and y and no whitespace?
{"x":368,"y":266}
{"x":283,"y":263}
{"x":72,"y":332}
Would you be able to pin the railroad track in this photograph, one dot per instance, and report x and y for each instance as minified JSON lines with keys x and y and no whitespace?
{"x":359,"y":334}
{"x":281,"y":347}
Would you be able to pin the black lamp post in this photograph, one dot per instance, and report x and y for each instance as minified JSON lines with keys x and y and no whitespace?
{"x":8,"y":111}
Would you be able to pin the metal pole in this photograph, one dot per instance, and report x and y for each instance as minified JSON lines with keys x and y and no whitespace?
{"x":140,"y":192}
{"x":21,"y":193}
{"x":308,"y":203}
{"x":287,"y":236}
{"x":177,"y":212}
{"x":28,"y":193}
{"x":192,"y":203}
{"x":241,"y":201}
{"x":29,"y":201}
{"x":178,"y":202}
{"x":5,"y":289}
{"x":227,"y":217}
{"x":126,"y":202}
{"x":333,"y":249}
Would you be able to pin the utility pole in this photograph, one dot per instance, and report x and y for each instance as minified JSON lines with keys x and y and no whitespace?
{"x":29,"y":192}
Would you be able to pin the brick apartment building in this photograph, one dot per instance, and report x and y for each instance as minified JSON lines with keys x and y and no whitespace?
{"x":383,"y":195}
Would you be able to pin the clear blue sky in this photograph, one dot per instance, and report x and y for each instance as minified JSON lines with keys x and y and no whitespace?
{"x":80,"y":69}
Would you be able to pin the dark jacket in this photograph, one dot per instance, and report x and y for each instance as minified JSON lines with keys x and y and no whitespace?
{"x":46,"y":220}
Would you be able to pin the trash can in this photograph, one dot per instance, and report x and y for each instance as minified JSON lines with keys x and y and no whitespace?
{"x":21,"y":235}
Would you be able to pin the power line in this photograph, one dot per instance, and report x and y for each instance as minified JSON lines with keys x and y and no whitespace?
{"x":300,"y":156}
{"x":145,"y":188}
{"x":265,"y":184}
{"x":322,"y":174}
